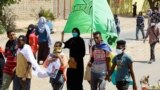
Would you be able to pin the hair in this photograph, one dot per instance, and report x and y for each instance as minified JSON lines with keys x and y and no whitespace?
{"x":115,"y":15}
{"x":29,"y":32}
{"x":40,"y":14}
{"x":10,"y":31}
{"x":22,"y":37}
{"x":97,"y":33}
{"x":59,"y":42}
{"x":141,"y":13}
{"x":121,"y":42}
{"x":77,"y":30}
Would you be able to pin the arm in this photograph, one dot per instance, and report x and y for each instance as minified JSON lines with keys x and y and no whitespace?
{"x":108,"y":60}
{"x":63,"y":60}
{"x":148,"y":31}
{"x":133,"y":77}
{"x":67,"y":44}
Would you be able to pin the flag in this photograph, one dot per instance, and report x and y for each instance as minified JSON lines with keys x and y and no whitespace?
{"x":90,"y":16}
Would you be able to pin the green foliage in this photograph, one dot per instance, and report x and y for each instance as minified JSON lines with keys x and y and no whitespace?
{"x":2,"y":30}
{"x":47,"y":13}
{"x":145,"y":6}
{"x":8,"y":20}
{"x":4,"y":3}
{"x":123,"y":8}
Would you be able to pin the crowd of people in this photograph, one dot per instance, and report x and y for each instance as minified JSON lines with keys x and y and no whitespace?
{"x":27,"y":52}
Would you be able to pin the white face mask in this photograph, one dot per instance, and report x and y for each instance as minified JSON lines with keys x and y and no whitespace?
{"x":119,"y":51}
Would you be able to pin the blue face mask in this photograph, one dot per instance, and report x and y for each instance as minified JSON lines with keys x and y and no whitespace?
{"x":74,"y":34}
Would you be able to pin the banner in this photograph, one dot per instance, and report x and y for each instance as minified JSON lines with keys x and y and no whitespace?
{"x":90,"y":16}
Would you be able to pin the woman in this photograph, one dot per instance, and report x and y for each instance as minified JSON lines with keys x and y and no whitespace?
{"x":44,"y":39}
{"x":75,"y":71}
{"x":153,"y":33}
{"x":58,"y":78}
{"x":32,"y":39}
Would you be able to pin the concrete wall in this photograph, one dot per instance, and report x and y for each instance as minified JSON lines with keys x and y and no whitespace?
{"x":27,"y":8}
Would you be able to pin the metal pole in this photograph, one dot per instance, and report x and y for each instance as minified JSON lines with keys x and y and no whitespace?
{"x":64,"y":9}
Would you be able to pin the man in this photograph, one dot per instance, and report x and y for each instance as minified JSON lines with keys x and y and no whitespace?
{"x":44,"y":39}
{"x":153,"y":34}
{"x":25,"y":60}
{"x":99,"y":62}
{"x":124,"y":67}
{"x":140,"y":25}
{"x":117,"y":22}
{"x":134,"y":9}
{"x":10,"y":54}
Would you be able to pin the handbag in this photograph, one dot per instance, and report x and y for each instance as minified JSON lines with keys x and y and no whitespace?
{"x":72,"y":63}
{"x":87,"y":75}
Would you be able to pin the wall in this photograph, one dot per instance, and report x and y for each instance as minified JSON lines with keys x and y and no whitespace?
{"x":26,"y":9}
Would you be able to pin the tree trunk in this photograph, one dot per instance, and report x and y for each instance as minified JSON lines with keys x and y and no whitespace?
{"x":152,"y":3}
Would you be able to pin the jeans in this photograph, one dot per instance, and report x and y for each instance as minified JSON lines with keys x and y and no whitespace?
{"x":118,"y":30}
{"x":152,"y":47}
{"x":19,"y":84}
{"x":58,"y":82}
{"x":98,"y":81}
{"x":57,"y":86}
{"x":137,"y":31}
{"x":7,"y":79}
{"x":122,"y":85}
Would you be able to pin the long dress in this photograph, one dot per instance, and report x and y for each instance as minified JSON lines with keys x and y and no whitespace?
{"x":76,"y":48}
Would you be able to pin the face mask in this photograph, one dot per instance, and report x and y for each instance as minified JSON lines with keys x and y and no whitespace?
{"x":119,"y":51}
{"x":74,"y":34}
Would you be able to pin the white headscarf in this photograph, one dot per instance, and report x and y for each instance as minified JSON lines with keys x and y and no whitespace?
{"x":42,"y":26}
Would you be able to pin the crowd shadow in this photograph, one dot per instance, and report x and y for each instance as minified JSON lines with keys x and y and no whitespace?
{"x":134,"y":39}
{"x":140,"y":61}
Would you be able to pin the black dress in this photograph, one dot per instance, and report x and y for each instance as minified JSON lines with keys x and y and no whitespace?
{"x":76,"y":48}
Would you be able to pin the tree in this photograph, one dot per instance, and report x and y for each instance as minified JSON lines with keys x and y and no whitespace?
{"x":6,"y":17}
{"x":152,"y":3}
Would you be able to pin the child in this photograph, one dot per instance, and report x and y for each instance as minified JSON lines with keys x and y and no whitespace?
{"x":124,"y":68}
{"x":58,"y":76}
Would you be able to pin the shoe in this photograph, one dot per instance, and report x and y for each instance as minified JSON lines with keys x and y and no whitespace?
{"x":153,"y":60}
{"x":150,"y":62}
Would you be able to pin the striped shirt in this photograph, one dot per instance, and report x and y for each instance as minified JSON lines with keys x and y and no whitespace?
{"x":10,"y":54}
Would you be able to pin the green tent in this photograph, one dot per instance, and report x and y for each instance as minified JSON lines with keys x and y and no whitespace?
{"x":90,"y":16}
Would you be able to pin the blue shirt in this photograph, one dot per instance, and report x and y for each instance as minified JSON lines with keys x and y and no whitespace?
{"x":42,"y":37}
{"x":50,"y":24}
{"x":123,"y":72}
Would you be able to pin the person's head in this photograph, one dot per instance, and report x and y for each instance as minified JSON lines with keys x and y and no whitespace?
{"x":97,"y":37}
{"x":121,"y":45}
{"x":21,"y":41}
{"x":31,"y":28}
{"x":153,"y":25}
{"x":140,"y":13}
{"x":75,"y":32}
{"x":40,"y":14}
{"x":42,"y":21}
{"x":115,"y":16}
{"x":58,"y":47}
{"x":135,"y":3}
{"x":11,"y":35}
